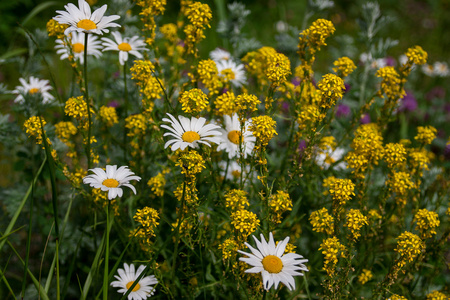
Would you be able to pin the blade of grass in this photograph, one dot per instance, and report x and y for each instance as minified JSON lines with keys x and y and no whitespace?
{"x":19,"y":209}
{"x":38,"y":9}
{"x":3,"y":277}
{"x":30,"y":224}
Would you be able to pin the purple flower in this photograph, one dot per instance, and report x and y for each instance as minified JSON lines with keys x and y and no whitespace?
{"x":113,"y":103}
{"x":365,"y":119}
{"x":296,"y":81}
{"x":409,"y":102}
{"x":390,"y":61}
{"x":342,"y":110}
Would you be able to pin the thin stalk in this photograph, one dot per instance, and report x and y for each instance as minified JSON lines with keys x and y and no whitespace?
{"x":106,"y":273}
{"x":126,"y":111}
{"x":86,"y":94}
{"x":177,"y":238}
{"x":58,"y":296}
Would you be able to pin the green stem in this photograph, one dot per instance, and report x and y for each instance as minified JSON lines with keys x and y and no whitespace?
{"x":57,"y":270}
{"x":86,"y":93}
{"x":125,"y":111}
{"x":177,"y":238}
{"x":106,"y":273}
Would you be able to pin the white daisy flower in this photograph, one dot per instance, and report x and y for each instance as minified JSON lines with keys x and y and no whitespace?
{"x":124,"y":46}
{"x":328,"y":157}
{"x":219,"y":55}
{"x":234,"y":170}
{"x":275,"y":266}
{"x":428,"y":70}
{"x":80,"y":18}
{"x":231,"y":137}
{"x":127,"y":276}
{"x":77,"y":45}
{"x":232,"y":72}
{"x":33,"y":87}
{"x":441,"y":69}
{"x":190,"y":132}
{"x":111,"y":180}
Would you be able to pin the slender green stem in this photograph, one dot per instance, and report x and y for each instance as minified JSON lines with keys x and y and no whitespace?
{"x":88,"y":102}
{"x":106,"y":273}
{"x":180,"y":219}
{"x":58,"y":296}
{"x":125,"y":111}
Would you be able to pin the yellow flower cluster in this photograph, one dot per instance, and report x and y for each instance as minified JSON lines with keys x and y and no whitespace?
{"x":193,"y":36}
{"x":308,"y":116}
{"x":331,"y":248}
{"x":77,"y":108}
{"x":236,"y":199}
{"x":342,"y":190}
{"x":394,"y":155}
{"x":312,"y":38}
{"x":417,"y":55}
{"x":199,"y":14}
{"x":278,"y":68}
{"x":191,"y":163}
{"x":148,"y":219}
{"x":418,"y":158}
{"x":247,"y":102}
{"x":64,"y":130}
{"x":400,"y":183}
{"x":396,"y":297}
{"x":436,"y":295}
{"x":391,"y":84}
{"x":152,"y":89}
{"x":263,"y":128}
{"x":425,"y":134}
{"x":409,"y":246}
{"x":280,"y":202}
{"x":157,"y":184}
{"x":229,"y":248}
{"x":33,"y":128}
{"x":141,"y":71}
{"x":150,"y":9}
{"x":193,"y":101}
{"x":108,"y":115}
{"x":365,"y":276}
{"x":331,"y":88}
{"x":226,"y":104}
{"x":245,"y":222}
{"x":322,"y":221}
{"x":368,"y":148}
{"x":136,"y":124}
{"x":258,"y":61}
{"x":355,"y":220}
{"x":209,"y":75}
{"x":190,"y":194}
{"x":56,"y":29}
{"x":343,"y":66}
{"x":169,"y":32}
{"x":427,"y":222}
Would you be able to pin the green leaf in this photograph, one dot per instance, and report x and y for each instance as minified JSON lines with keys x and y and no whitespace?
{"x":38,"y":9}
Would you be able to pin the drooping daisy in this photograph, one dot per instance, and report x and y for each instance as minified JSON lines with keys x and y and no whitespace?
{"x":219,"y":55}
{"x":77,"y":45}
{"x":441,"y":69}
{"x":275,"y":266}
{"x":328,"y":157}
{"x":80,"y":18}
{"x":33,"y":87}
{"x":127,"y":276}
{"x":190,"y":132}
{"x":111,"y":180}
{"x":124,"y":46}
{"x":231,"y":137}
{"x":231,"y":71}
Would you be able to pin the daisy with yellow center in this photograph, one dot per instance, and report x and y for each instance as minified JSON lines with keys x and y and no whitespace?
{"x":34,"y":86}
{"x":111,"y":180}
{"x":275,"y":266}
{"x":231,"y":72}
{"x":190,"y":132}
{"x":219,"y":55}
{"x":76,"y":47}
{"x":125,"y":46}
{"x":326,"y":158}
{"x":127,"y":276}
{"x":233,"y":140}
{"x":81,"y":19}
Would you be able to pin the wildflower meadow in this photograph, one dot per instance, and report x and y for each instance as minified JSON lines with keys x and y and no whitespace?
{"x":209,"y":150}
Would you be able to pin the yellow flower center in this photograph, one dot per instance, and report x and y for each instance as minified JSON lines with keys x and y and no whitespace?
{"x":234,"y":136}
{"x":236,"y":174}
{"x":272,"y":264}
{"x":124,"y":47}
{"x":136,"y":287}
{"x":86,"y":24}
{"x":78,"y":47}
{"x":111,"y":183}
{"x":33,"y":91}
{"x":228,"y":73}
{"x":190,"y":136}
{"x":329,"y":160}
